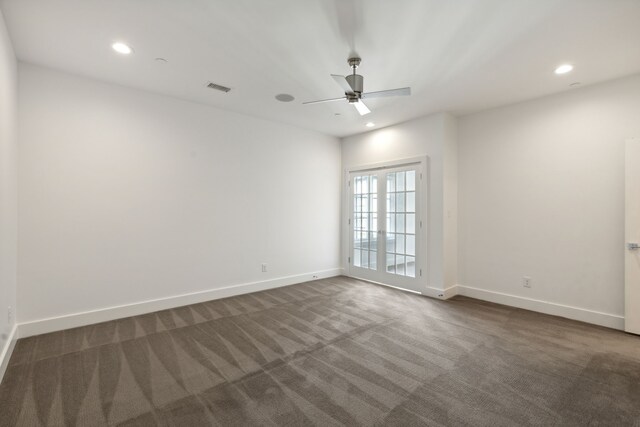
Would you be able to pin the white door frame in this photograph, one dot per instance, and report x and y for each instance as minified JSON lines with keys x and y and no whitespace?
{"x":632,"y":235}
{"x":422,"y":261}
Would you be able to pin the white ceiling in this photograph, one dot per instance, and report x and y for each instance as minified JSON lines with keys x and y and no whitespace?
{"x":459,"y":56}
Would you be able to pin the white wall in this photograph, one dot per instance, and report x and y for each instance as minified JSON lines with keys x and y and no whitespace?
{"x":542,"y":195}
{"x":127,"y":196}
{"x":8,"y":193}
{"x":450,"y":201}
{"x":432,"y":136}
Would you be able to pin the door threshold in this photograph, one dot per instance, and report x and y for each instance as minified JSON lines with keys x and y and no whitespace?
{"x":387,"y":285}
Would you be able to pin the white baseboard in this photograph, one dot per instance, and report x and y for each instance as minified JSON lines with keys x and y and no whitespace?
{"x":428,"y":291}
{"x":5,"y":355}
{"x":442,"y":293}
{"x":451,"y":291}
{"x":52,"y":324}
{"x":589,"y":316}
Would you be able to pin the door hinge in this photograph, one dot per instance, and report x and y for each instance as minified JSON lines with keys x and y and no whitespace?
{"x":349,"y":260}
{"x":420,"y":272}
{"x":420,"y":175}
{"x":349,"y":221}
{"x":349,"y":183}
{"x":420,"y":224}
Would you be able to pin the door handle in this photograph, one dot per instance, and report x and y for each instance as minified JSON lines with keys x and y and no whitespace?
{"x":633,"y":246}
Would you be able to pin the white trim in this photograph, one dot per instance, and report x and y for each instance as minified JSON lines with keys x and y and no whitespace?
{"x":42,"y":326}
{"x":386,"y":284}
{"x":7,"y":350}
{"x":450,"y":292}
{"x":428,"y":292}
{"x":436,"y":293}
{"x":589,"y":316}
{"x":387,"y":164}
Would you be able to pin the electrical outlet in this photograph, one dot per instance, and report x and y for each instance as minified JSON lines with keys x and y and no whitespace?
{"x":314,"y":276}
{"x":526,"y":281}
{"x":264,"y":267}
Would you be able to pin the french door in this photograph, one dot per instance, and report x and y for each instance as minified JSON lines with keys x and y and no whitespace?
{"x":385,"y":223}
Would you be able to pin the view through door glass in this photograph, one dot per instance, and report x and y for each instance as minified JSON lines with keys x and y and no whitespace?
{"x":365,"y":221}
{"x":401,"y":223}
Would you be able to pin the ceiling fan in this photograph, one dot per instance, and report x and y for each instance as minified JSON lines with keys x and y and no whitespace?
{"x":352,"y":86}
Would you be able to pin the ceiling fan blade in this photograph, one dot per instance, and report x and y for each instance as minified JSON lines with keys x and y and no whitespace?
{"x":343,"y":83}
{"x":404,"y":91}
{"x":362,"y":109}
{"x":342,"y":98}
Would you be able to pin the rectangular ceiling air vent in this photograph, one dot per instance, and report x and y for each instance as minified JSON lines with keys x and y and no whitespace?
{"x":218,"y":87}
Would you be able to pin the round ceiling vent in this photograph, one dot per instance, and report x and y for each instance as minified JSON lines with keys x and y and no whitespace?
{"x":284,"y":97}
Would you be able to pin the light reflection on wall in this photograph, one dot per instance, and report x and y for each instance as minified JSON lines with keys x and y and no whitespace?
{"x":381,"y":140}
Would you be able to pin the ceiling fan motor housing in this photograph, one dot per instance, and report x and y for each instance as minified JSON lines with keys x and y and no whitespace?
{"x":356,"y":82}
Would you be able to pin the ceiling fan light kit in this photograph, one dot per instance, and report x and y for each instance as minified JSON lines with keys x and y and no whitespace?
{"x":353,"y":86}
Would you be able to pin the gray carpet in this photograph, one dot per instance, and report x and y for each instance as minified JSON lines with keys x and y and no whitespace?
{"x":331,"y":352}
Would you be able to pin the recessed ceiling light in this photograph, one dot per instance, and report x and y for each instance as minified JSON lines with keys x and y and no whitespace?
{"x":370,"y":124}
{"x":564,"y":68}
{"x":284,"y":97}
{"x":122,"y":48}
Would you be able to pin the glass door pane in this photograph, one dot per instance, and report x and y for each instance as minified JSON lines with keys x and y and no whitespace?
{"x":401,"y":223}
{"x":365,"y":221}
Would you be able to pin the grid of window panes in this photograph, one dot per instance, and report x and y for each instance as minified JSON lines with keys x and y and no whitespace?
{"x":401,"y":223}
{"x":365,"y":221}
